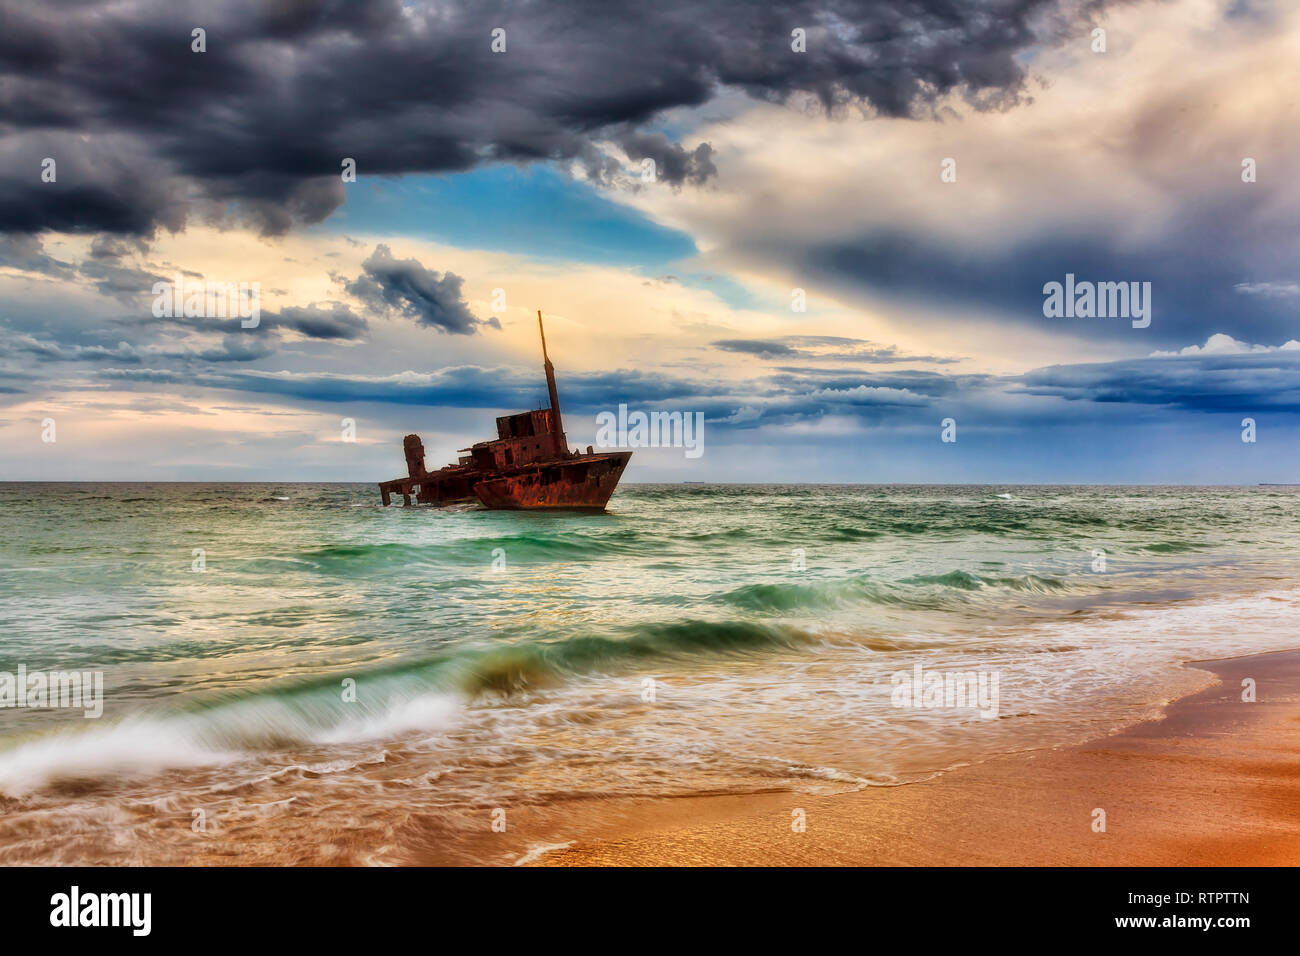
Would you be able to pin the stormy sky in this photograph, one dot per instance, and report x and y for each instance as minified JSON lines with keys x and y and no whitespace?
{"x":827,"y":226}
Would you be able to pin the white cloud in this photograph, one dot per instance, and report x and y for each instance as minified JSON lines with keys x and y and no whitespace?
{"x":1270,"y":290}
{"x":1222,"y":344}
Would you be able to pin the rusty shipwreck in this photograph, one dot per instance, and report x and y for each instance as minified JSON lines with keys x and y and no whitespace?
{"x":528,"y":465}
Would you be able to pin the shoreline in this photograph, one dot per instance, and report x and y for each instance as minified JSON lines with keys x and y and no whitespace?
{"x":1214,"y":782}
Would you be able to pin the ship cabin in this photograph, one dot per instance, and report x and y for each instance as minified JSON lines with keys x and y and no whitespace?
{"x":521,"y":440}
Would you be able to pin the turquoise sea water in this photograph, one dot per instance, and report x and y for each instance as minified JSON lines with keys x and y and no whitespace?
{"x":347,"y":683}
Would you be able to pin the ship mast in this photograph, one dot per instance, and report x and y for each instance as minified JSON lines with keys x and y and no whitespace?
{"x":557,"y":429}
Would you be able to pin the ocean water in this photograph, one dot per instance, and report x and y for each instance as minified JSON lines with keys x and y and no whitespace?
{"x":344,"y":683}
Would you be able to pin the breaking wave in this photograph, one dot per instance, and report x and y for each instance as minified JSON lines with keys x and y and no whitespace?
{"x":416,"y":697}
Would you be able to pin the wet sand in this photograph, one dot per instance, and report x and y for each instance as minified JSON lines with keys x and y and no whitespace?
{"x":1214,"y":783}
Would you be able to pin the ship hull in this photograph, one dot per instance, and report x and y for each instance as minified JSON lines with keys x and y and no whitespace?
{"x":582,"y":482}
{"x":452,"y":486}
{"x":448,"y":486}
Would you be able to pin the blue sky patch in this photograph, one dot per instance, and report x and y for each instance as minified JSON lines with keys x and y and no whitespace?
{"x":534,"y":211}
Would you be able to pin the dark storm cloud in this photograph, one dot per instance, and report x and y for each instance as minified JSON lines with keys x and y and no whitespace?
{"x":407,"y":287}
{"x":27,"y":253}
{"x":124,"y":283}
{"x":455,"y":387}
{"x":1222,"y":264}
{"x":232,"y":348}
{"x":1208,"y":383}
{"x":332,"y":321}
{"x":107,"y":248}
{"x":147,"y":133}
{"x":1243,"y":383}
{"x":930,"y":384}
{"x":235,"y":348}
{"x":825,"y":348}
{"x":105,"y":180}
{"x":761,"y":348}
{"x":673,"y":164}
{"x":140,"y":338}
{"x":315,"y":322}
{"x":53,"y":351}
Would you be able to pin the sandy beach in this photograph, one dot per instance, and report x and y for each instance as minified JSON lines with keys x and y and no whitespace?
{"x":1216,"y":782}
